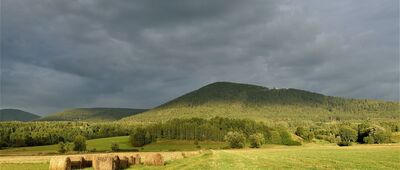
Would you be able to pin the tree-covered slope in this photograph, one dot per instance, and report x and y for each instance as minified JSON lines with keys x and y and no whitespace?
{"x":92,"y":114}
{"x":250,"y":101}
{"x":16,"y":115}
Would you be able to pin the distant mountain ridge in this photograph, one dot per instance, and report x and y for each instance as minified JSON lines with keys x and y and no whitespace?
{"x":16,"y":115}
{"x":237,"y":100}
{"x":92,"y":114}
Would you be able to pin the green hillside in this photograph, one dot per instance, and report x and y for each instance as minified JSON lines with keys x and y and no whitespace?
{"x":16,"y":115}
{"x":235,"y":100}
{"x":92,"y":114}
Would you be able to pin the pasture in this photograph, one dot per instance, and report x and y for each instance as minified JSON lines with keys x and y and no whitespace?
{"x":104,"y":145}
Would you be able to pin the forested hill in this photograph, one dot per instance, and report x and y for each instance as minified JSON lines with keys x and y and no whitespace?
{"x":247,"y":94}
{"x":256,"y":102}
{"x":92,"y":114}
{"x":16,"y":115}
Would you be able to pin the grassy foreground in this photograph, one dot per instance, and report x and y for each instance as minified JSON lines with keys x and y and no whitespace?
{"x":311,"y":156}
{"x":302,"y":157}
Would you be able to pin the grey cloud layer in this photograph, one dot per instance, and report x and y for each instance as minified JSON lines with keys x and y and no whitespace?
{"x":63,"y":54}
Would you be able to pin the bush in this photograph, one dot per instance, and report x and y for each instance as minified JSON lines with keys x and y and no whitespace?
{"x":380,"y":134}
{"x":363,"y":131}
{"x":138,"y":138}
{"x":256,"y":140}
{"x":62,"y":147}
{"x":147,"y":138}
{"x":369,"y":140}
{"x":373,"y":134}
{"x":79,"y":143}
{"x":114,"y":146}
{"x":235,"y":139}
{"x":286,"y":138}
{"x":275,"y":137}
{"x":304,"y":133}
{"x":347,"y":135}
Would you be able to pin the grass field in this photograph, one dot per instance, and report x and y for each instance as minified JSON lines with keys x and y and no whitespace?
{"x":299,"y":157}
{"x":104,"y":145}
{"x":310,"y":156}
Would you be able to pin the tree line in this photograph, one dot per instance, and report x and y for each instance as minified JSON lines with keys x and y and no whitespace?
{"x":219,"y":129}
{"x":17,"y":134}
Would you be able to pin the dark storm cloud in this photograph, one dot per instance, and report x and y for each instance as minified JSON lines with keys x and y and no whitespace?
{"x":63,"y":54}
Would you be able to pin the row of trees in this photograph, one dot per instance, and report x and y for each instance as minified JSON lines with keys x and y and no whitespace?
{"x":346,"y":133}
{"x":16,"y":134}
{"x":256,"y":133}
{"x":214,"y":129}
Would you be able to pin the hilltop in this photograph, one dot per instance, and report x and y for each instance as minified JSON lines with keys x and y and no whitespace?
{"x":16,"y":115}
{"x":92,"y":114}
{"x":236,"y":100}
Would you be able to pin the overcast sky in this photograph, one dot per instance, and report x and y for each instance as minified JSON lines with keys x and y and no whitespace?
{"x":139,"y":54}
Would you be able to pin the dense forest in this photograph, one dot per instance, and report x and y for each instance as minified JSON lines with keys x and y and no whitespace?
{"x":217,"y":128}
{"x":16,"y":134}
{"x":241,"y":101}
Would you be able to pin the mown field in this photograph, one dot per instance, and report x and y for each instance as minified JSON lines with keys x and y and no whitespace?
{"x":309,"y":156}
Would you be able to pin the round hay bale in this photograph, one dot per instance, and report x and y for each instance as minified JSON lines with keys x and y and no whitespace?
{"x":124,"y":163}
{"x":60,"y":163}
{"x":184,"y":155}
{"x":138,"y":160}
{"x":132,"y":160}
{"x":116,"y":161}
{"x":155,"y":159}
{"x":77,"y":163}
{"x":89,"y":159}
{"x":104,"y":163}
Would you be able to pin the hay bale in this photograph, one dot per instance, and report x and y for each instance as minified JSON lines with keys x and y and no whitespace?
{"x":116,"y":161}
{"x":104,"y":163}
{"x":155,"y":159}
{"x":77,"y":163}
{"x":138,"y":160}
{"x":60,"y":163}
{"x":124,"y":163}
{"x":89,"y":159}
{"x":88,"y":163}
{"x":184,"y":155}
{"x":132,"y":160}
